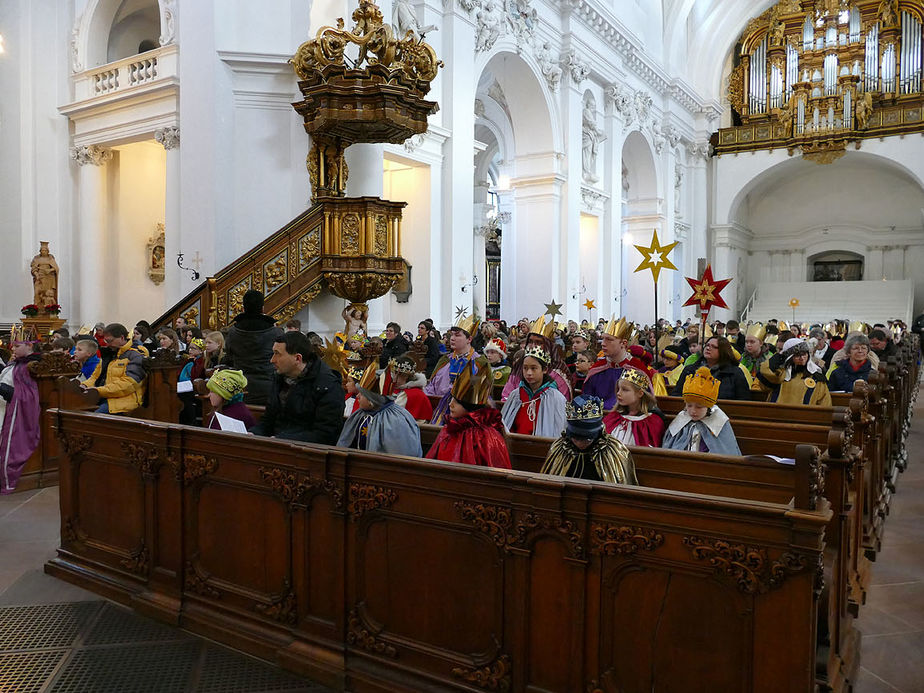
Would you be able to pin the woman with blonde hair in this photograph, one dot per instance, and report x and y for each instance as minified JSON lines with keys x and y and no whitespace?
{"x":214,"y":350}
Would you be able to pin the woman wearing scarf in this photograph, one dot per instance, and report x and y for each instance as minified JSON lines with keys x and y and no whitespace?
{"x":793,"y":377}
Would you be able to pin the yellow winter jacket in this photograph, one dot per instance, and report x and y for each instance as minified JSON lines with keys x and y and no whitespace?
{"x":125,"y":381}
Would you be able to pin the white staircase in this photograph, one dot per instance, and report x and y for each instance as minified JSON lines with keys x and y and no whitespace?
{"x":820,"y":302}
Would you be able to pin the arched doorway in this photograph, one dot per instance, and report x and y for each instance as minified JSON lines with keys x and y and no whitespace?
{"x":641,"y":214}
{"x":517,"y":210}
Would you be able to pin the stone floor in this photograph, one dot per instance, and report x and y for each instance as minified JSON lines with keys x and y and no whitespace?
{"x":83,"y":643}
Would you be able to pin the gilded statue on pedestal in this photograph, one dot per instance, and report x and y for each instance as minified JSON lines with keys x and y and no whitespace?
{"x":44,"y":271}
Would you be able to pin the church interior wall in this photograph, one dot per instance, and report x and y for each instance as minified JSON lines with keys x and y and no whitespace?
{"x":136,"y":206}
{"x":136,"y":22}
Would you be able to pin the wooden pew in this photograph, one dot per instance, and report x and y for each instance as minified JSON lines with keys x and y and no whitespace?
{"x":384,"y":573}
{"x":750,"y":478}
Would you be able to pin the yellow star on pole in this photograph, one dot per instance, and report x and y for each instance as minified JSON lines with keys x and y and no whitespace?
{"x":656,"y":256}
{"x":590,"y":305}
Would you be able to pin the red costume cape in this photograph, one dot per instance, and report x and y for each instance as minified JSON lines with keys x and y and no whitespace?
{"x":649,"y":432}
{"x":476,"y":438}
{"x":418,"y":404}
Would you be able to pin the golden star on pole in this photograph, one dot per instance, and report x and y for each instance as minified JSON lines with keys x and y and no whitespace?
{"x":656,"y":256}
{"x":590,"y":305}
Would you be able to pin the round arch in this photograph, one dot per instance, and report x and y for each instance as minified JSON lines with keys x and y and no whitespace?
{"x":90,"y":42}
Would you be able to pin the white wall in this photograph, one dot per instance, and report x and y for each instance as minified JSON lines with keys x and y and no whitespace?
{"x":136,"y":199}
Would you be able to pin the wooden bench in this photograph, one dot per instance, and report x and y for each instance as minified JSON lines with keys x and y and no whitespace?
{"x":385,"y":573}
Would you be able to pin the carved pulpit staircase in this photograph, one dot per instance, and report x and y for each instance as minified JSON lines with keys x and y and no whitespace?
{"x":351,"y":245}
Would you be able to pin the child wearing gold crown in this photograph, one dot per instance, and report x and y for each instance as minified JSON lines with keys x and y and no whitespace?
{"x":474,"y":432}
{"x":539,"y":334}
{"x":636,"y":420}
{"x":450,"y":366}
{"x":536,"y":408}
{"x":701,"y":426}
{"x":604,"y":375}
{"x":402,"y":380}
{"x":585,"y":451}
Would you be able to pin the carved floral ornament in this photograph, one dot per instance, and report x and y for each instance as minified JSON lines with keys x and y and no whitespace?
{"x":377,"y":46}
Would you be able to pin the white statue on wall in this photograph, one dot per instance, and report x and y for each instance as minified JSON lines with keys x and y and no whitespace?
{"x":404,"y":18}
{"x":490,"y":22}
{"x":550,"y":69}
{"x":591,"y":138}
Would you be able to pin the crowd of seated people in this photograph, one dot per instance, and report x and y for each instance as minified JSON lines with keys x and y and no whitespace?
{"x":592,"y":388}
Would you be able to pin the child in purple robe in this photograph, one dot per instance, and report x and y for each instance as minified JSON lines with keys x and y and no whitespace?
{"x":20,"y":434}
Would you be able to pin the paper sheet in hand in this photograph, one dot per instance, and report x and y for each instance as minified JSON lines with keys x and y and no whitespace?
{"x":228,"y":424}
{"x":184,"y":386}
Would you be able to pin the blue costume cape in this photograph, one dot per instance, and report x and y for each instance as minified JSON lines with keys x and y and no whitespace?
{"x":389,"y":428}
{"x":715,"y":433}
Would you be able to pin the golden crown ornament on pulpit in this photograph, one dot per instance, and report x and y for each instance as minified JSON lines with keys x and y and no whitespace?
{"x":376,"y":98}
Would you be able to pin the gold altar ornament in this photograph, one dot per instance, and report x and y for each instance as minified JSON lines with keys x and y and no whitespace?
{"x":656,"y":256}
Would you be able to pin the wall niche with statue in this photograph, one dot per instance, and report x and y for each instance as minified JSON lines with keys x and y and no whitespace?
{"x":156,"y":254}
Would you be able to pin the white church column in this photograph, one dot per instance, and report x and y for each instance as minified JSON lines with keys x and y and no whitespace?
{"x":797,"y":269}
{"x":457,"y":110}
{"x":92,"y":229}
{"x":611,"y":231}
{"x":699,"y":192}
{"x":875,"y":269}
{"x":170,"y":139}
{"x":894,"y":262}
{"x":568,"y":236}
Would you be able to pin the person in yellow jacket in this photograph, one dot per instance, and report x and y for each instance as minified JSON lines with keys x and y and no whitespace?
{"x":121,"y":389}
{"x":792,"y":376}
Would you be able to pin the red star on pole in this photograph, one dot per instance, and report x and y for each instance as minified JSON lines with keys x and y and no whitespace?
{"x":706,"y":291}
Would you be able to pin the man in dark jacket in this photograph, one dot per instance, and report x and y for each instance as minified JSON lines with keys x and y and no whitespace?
{"x":306,"y":401}
{"x":395,"y":344}
{"x":882,"y":345}
{"x":249,"y":346}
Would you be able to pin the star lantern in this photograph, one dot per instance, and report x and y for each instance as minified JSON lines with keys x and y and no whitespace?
{"x":707,"y":291}
{"x":590,"y":305}
{"x":461,"y":312}
{"x":552,"y":309}
{"x":656,"y":256}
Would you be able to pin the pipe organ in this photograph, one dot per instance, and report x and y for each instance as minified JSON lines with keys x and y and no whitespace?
{"x":815,"y":75}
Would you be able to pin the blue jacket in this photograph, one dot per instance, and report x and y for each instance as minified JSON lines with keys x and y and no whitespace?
{"x":844,"y":376}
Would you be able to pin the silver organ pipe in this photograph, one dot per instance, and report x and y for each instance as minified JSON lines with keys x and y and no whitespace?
{"x":758,"y":82}
{"x":808,"y":34}
{"x":888,"y":69}
{"x":830,"y":75}
{"x":792,"y":68}
{"x":910,"y":60}
{"x":872,"y":59}
{"x":800,"y":117}
{"x":854,"y":25}
{"x":776,"y":87}
{"x":848,"y":111}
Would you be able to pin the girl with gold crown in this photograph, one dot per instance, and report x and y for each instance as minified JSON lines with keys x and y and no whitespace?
{"x":540,"y":335}
{"x":536,"y":408}
{"x":474,"y":432}
{"x":604,"y":375}
{"x":636,"y":420}
{"x":701,"y":426}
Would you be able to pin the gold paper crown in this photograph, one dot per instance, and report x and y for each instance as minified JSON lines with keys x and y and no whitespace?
{"x":701,"y":388}
{"x":782,"y":325}
{"x":592,"y":408}
{"x":539,"y":327}
{"x":772,"y":339}
{"x":367,"y":377}
{"x":475,"y":383}
{"x":637,"y":378}
{"x":857,"y":326}
{"x":538,"y":353}
{"x":355,"y":373}
{"x":757,"y":331}
{"x":467,"y":323}
{"x":404,"y":366}
{"x":620,"y":329}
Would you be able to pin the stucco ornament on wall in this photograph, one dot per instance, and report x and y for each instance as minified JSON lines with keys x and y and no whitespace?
{"x":156,"y":254}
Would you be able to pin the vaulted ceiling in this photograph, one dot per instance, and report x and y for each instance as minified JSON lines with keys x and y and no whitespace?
{"x":699,"y":34}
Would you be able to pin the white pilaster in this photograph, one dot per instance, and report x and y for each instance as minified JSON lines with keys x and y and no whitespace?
{"x":92,"y":228}
{"x":170,"y":139}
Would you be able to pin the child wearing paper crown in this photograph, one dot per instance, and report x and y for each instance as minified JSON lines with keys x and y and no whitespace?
{"x":402,"y":380}
{"x":474,"y":432}
{"x":701,"y":426}
{"x":226,"y":394}
{"x":636,"y":419}
{"x":585,"y":450}
{"x":536,"y":407}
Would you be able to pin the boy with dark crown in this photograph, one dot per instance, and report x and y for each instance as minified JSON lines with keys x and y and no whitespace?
{"x":452,"y":364}
{"x":474,"y":433}
{"x":379,"y":425}
{"x":540,"y":335}
{"x":402,"y":380}
{"x":536,"y":408}
{"x":604,"y":375}
{"x":585,"y":451}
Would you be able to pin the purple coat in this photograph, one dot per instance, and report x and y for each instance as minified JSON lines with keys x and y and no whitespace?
{"x":20,"y":434}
